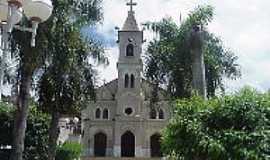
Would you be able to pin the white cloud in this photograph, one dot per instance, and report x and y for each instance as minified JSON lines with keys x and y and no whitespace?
{"x":243,"y":25}
{"x":108,"y":73}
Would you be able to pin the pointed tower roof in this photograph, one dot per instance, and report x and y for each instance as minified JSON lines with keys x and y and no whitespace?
{"x":131,"y":23}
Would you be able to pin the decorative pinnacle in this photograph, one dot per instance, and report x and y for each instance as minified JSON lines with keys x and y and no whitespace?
{"x":131,"y":4}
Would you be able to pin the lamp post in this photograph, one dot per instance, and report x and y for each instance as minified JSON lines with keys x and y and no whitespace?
{"x":11,"y":13}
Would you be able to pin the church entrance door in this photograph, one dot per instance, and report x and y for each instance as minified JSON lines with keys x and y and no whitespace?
{"x":155,"y":145}
{"x":100,"y":144}
{"x":128,"y":144}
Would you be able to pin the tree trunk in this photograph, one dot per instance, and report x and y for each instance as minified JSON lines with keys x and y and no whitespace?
{"x":20,"y":123}
{"x":198,"y":72}
{"x":198,"y":66}
{"x":53,"y":135}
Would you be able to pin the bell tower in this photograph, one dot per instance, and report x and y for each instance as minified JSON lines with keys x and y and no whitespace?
{"x":129,"y":97}
{"x":129,"y":65}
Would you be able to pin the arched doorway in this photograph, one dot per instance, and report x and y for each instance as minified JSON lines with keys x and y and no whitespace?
{"x":128,"y":144}
{"x":155,"y":145}
{"x":100,"y":145}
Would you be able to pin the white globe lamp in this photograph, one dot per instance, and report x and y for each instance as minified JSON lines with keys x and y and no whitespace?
{"x":16,"y":12}
{"x":4,"y":10}
{"x":37,"y":10}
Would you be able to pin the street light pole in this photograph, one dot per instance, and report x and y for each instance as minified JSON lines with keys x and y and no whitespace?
{"x":11,"y":13}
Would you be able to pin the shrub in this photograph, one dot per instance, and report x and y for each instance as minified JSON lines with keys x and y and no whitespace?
{"x":36,"y":136}
{"x":232,"y":127}
{"x":68,"y":151}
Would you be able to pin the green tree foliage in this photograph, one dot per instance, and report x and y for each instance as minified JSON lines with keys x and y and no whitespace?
{"x":58,"y":42}
{"x":6,"y":117}
{"x":36,"y":139}
{"x":68,"y":151}
{"x":67,"y":75}
{"x":67,"y":82}
{"x":233,"y":127}
{"x":168,"y":59}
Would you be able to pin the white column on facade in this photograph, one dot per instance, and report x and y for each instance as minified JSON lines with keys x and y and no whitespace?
{"x":138,"y":151}
{"x":91,"y":151}
{"x":117,"y":151}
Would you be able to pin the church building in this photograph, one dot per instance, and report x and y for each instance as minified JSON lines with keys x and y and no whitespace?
{"x":121,"y":123}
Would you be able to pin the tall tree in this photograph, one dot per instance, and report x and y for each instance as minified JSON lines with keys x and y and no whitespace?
{"x":169,"y":55}
{"x":67,"y":82}
{"x":72,"y":13}
{"x":28,"y":64}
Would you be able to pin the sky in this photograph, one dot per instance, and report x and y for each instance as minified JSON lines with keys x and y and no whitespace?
{"x":243,"y":25}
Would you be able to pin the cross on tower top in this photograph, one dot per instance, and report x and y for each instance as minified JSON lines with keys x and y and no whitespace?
{"x":131,"y":4}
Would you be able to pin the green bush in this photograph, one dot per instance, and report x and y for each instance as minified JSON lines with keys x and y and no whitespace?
{"x":36,"y":136}
{"x":232,"y":127}
{"x":6,"y":123}
{"x":68,"y":151}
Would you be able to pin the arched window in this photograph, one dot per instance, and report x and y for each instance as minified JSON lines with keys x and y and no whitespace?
{"x":98,"y":113}
{"x":82,"y":133}
{"x":130,"y":50}
{"x":160,"y":114}
{"x":126,"y":80}
{"x":132,"y":81}
{"x":153,"y":114}
{"x":105,"y":114}
{"x":113,"y":97}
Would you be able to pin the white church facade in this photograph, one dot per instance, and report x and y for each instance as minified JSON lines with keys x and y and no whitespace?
{"x":121,"y":123}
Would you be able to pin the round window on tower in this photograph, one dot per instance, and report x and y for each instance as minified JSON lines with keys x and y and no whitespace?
{"x":128,"y":111}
